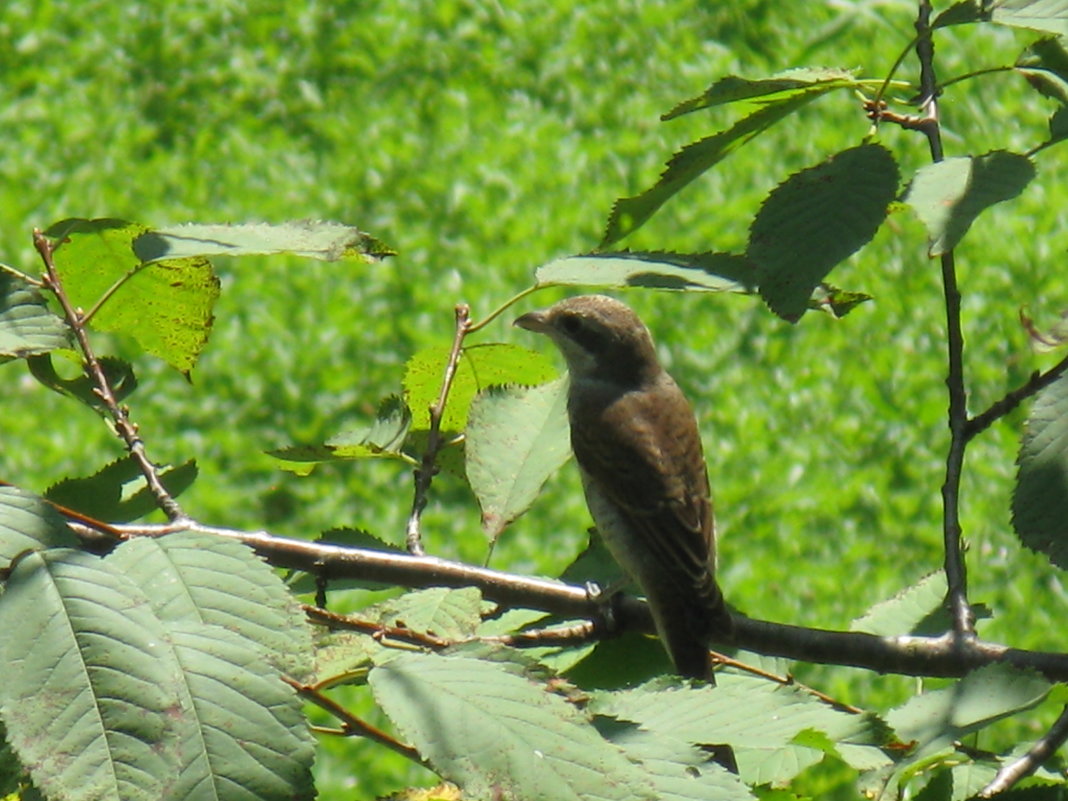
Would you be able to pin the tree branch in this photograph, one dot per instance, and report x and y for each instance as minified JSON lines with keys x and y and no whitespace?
{"x":124,"y":427}
{"x":424,"y":474}
{"x":946,"y":656}
{"x":1031,"y":761}
{"x":956,"y":572}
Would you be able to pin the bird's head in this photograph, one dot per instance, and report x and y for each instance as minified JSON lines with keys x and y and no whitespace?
{"x":599,"y":337}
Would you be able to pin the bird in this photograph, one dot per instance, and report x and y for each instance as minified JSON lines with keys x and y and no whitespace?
{"x":636,"y":441}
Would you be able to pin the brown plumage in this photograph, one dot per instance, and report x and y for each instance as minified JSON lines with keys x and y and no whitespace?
{"x":639,"y":452}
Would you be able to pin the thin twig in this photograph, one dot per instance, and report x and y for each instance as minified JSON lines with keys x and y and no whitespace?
{"x":1037,"y":382}
{"x":126,"y":429}
{"x":1038,"y":753}
{"x":424,"y":474}
{"x":956,"y":572}
{"x":352,"y":725}
{"x":378,"y":631}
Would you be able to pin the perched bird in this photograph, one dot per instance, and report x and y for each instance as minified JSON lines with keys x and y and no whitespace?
{"x":636,"y":442}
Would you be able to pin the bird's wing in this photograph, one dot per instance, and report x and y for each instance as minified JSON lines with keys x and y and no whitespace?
{"x":642,"y":452}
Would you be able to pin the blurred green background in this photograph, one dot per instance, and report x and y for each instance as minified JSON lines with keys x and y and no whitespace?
{"x":481,"y":140}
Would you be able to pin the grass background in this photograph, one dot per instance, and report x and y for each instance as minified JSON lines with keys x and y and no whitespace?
{"x":481,"y":141}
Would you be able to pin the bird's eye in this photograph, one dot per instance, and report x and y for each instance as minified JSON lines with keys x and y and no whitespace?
{"x":571,"y":325}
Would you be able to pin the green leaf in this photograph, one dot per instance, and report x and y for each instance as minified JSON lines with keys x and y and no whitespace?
{"x":480,"y":366}
{"x":315,"y":239}
{"x":447,"y":613}
{"x":27,"y":327}
{"x":516,"y":438}
{"x":1044,"y":64}
{"x":816,"y":219}
{"x":116,"y":493}
{"x":202,"y":579}
{"x":1058,"y":126}
{"x":760,"y":719}
{"x":28,"y":522}
{"x":712,"y":272}
{"x":166,"y":306}
{"x":498,"y":734}
{"x":84,"y":728}
{"x":1040,"y":498}
{"x":936,"y":719}
{"x":248,"y":737}
{"x":781,"y":86}
{"x":629,"y":214}
{"x":906,"y":611}
{"x":680,"y":771}
{"x":1039,"y":15}
{"x":382,"y":439}
{"x":961,"y":13}
{"x":948,"y":195}
{"x":80,"y":387}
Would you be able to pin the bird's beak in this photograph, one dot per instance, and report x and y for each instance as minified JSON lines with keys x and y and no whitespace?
{"x":533,"y":321}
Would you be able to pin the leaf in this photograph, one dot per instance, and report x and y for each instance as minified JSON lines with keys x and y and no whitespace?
{"x":516,"y":438}
{"x":906,"y":611}
{"x":781,"y":86}
{"x":1044,"y":64}
{"x":758,"y":718}
{"x":196,"y":578}
{"x":816,"y":219}
{"x":500,"y":735}
{"x":84,"y":729}
{"x":1058,"y":126}
{"x":315,"y":239}
{"x":961,"y":13}
{"x":948,"y":195}
{"x":1039,"y":15}
{"x":116,"y":493}
{"x":938,"y":718}
{"x":680,"y":771}
{"x":1040,"y":498}
{"x":443,"y":612}
{"x":249,"y":738}
{"x":119,"y":374}
{"x":480,"y":366}
{"x":27,"y":327}
{"x":630,"y":213}
{"x":166,"y":306}
{"x":713,"y":272}
{"x":28,"y":522}
{"x":384,"y":438}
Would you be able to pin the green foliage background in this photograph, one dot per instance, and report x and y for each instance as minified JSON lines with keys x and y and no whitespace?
{"x":481,"y":141}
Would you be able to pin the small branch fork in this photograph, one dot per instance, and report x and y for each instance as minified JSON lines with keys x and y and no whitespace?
{"x":124,"y":427}
{"x":424,"y":474}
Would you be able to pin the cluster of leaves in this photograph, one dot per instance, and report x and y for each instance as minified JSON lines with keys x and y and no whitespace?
{"x":203,"y":632}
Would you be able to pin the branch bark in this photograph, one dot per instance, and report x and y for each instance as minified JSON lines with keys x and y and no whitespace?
{"x":945,"y":656}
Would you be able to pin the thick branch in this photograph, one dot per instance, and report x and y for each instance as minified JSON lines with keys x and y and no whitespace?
{"x":946,"y":656}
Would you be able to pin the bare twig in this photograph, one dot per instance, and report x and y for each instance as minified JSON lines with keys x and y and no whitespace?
{"x":125,"y":428}
{"x":424,"y":474}
{"x":1000,"y":408}
{"x":378,"y":631}
{"x":352,"y":726}
{"x":956,"y":573}
{"x":1038,"y":753}
{"x":947,"y":656}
